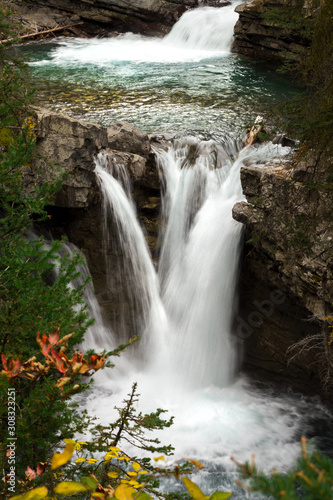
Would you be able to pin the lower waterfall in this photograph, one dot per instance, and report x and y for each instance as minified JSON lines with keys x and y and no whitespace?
{"x":187,"y":358}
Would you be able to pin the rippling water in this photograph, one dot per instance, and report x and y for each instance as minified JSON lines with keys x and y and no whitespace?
{"x":183,"y":83}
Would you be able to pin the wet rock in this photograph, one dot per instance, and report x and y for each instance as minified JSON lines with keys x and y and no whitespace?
{"x":134,"y":164}
{"x":125,"y":137}
{"x":71,"y":145}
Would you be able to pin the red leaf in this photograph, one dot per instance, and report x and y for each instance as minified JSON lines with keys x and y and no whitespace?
{"x":41,"y":468}
{"x":13,"y":368}
{"x":61,"y":361}
{"x":30,"y":473}
{"x":4,"y":362}
{"x":54,"y":336}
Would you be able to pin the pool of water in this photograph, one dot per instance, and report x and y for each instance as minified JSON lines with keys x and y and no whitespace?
{"x":158,"y":85}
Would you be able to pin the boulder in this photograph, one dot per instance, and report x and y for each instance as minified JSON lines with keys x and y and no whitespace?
{"x":134,"y":164}
{"x":71,"y":145}
{"x":125,"y":137}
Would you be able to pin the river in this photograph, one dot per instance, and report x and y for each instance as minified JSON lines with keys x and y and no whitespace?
{"x":189,"y":86}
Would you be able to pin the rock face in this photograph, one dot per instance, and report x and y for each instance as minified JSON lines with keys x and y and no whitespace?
{"x":73,"y":145}
{"x":285,"y":292}
{"x":258,"y":37}
{"x":143,"y":16}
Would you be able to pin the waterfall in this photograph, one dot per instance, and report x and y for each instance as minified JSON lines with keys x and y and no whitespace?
{"x":184,"y":313}
{"x":187,"y":350}
{"x":139,"y":278}
{"x":201,"y":33}
{"x":199,"y":259}
{"x":205,"y":28}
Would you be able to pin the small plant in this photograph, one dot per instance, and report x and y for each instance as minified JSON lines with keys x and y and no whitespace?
{"x":311,"y":478}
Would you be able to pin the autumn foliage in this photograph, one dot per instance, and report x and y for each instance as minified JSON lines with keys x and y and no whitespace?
{"x":53,"y":349}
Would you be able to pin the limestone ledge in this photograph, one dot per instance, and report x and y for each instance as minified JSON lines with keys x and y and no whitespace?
{"x":256,"y":37}
{"x":69,"y":146}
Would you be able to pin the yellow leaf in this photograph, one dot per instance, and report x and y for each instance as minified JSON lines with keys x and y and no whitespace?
{"x":113,"y":475}
{"x":59,"y":459}
{"x":69,"y":488}
{"x":196,"y":463}
{"x":220,"y":495}
{"x":69,"y":441}
{"x":80,"y":460}
{"x":132,"y":474}
{"x":77,"y":446}
{"x":159,"y":458}
{"x":35,"y":494}
{"x":124,"y":492}
{"x":114,"y":448}
{"x":109,"y":455}
{"x":136,"y":466}
{"x":193,"y":489}
{"x":143,"y":472}
{"x":82,"y":442}
{"x":91,"y":460}
{"x":135,"y":484}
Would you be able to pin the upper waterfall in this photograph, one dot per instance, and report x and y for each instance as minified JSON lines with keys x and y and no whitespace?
{"x":199,"y":34}
{"x":205,"y":28}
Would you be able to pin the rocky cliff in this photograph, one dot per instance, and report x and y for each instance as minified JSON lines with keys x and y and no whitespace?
{"x":273,"y":29}
{"x":104,"y":16}
{"x":287,"y":275}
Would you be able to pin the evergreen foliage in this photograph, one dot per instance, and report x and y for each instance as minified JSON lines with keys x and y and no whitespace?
{"x":311,"y":478}
{"x":34,"y":280}
{"x":310,"y":113}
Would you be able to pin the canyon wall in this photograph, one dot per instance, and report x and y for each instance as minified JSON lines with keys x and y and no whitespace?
{"x":268,"y":29}
{"x":101,"y":17}
{"x":286,"y":281}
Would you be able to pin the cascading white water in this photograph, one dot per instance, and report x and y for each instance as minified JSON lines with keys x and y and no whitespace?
{"x":142,"y":283}
{"x":205,"y":28}
{"x":99,"y":336}
{"x":190,"y":356}
{"x":202,"y":33}
{"x":199,"y":260}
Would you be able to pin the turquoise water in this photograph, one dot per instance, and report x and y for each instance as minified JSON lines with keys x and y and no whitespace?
{"x":207,"y":97}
